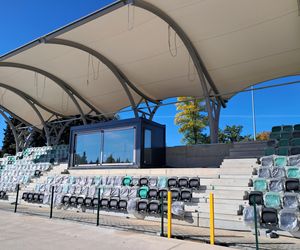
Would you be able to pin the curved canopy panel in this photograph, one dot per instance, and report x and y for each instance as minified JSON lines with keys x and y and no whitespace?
{"x":238,"y":42}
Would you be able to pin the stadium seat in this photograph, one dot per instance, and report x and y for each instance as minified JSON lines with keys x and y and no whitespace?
{"x":269,"y":151}
{"x":104,"y":202}
{"x":143,"y":181}
{"x":143,"y":192}
{"x":248,"y":216}
{"x":164,"y":207}
{"x":286,"y":135}
{"x":88,"y":202}
{"x":290,"y":200}
{"x":272,"y":200}
{"x":260,"y":184}
{"x":294,"y":160}
{"x":267,"y":161}
{"x":114,"y":203}
{"x":30,"y":197}
{"x":127,"y":180}
{"x":264,"y":172}
{"x":194,"y":183}
{"x":296,"y":134}
{"x":135,"y":181}
{"x":276,"y":129}
{"x":41,"y":198}
{"x":175,"y":192}
{"x":276,"y":185}
{"x":95,"y":202}
{"x":153,"y":181}
{"x":153,"y":207}
{"x":284,"y":151}
{"x":257,"y":197}
{"x":274,"y":136}
{"x":24,"y":195}
{"x":295,"y":150}
{"x":186,"y":195}
{"x":163,"y":193}
{"x":133,"y":192}
{"x":297,"y":127}
{"x":35,"y":197}
{"x":287,"y":128}
{"x":295,"y":142}
{"x":123,"y":204}
{"x":292,"y":184}
{"x":283,"y":143}
{"x":73,"y":200}
{"x":142,"y":206}
{"x":162,"y":182}
{"x":153,"y":193}
{"x":293,"y":172}
{"x":269,"y":217}
{"x":288,"y":220}
{"x":172,"y":182}
{"x":277,"y":172}
{"x":80,"y":200}
{"x":183,"y":182}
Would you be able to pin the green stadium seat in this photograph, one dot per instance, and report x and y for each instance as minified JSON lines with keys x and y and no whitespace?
{"x":283,"y":151}
{"x":295,"y":142}
{"x":297,"y":127}
{"x":272,"y":200}
{"x":286,"y":135}
{"x":272,"y":143}
{"x":276,"y":129}
{"x":287,"y":128}
{"x":283,"y":143}
{"x":280,"y":161}
{"x":296,"y":134}
{"x":295,"y":150}
{"x":269,"y":151}
{"x":260,"y":184}
{"x":127,"y":180}
{"x":143,"y":192}
{"x":293,"y":172}
{"x":274,"y":136}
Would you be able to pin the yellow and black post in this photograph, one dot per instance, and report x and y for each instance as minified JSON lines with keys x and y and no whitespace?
{"x":212,"y":218}
{"x":169,"y":214}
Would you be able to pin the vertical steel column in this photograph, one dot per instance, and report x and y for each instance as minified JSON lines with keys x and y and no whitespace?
{"x":253,"y":114}
{"x":17,"y":197}
{"x":52,"y":199}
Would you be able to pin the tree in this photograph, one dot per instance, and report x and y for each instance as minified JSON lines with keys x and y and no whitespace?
{"x":192,"y":120}
{"x":233,"y":134}
{"x":263,"y":136}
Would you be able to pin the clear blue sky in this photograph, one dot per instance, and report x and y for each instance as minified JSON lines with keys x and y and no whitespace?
{"x":22,"y":21}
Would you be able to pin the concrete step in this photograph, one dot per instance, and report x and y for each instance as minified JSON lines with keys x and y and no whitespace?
{"x":225,"y":182}
{"x":222,"y":194}
{"x":235,"y":171}
{"x":230,"y":209}
{"x":224,"y":224}
{"x":211,"y":187}
{"x":236,"y":176}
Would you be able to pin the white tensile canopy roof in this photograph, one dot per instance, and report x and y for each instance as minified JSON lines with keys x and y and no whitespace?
{"x":116,"y":56}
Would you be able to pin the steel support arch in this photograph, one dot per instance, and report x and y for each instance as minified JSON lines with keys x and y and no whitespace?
{"x":68,"y":89}
{"x":200,"y":67}
{"x":24,"y":95}
{"x":12,"y":127}
{"x":38,"y":113}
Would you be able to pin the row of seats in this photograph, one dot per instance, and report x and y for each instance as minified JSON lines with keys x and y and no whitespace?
{"x":279,"y":161}
{"x":278,"y":172}
{"x":276,"y":184}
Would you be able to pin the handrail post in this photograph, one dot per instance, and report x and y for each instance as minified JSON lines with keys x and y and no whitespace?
{"x":162,"y":216}
{"x":52,"y":199}
{"x":212,"y":218}
{"x":169,"y":214}
{"x":17,"y":197}
{"x":98,"y":207}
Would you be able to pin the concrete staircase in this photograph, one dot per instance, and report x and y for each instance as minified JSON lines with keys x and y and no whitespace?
{"x":251,"y":149}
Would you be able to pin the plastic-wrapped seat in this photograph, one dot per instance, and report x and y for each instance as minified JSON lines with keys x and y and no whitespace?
{"x":142,"y":206}
{"x":172,"y":182}
{"x":248,"y":216}
{"x":290,"y":200}
{"x":267,"y":161}
{"x":277,"y":172}
{"x":162,"y":182}
{"x":143,"y":181}
{"x":153,"y":207}
{"x":186,"y":195}
{"x":135,"y":181}
{"x":276,"y":185}
{"x":178,"y":208}
{"x":272,"y":200}
{"x":294,"y":160}
{"x":293,"y":172}
{"x":104,"y":202}
{"x":110,"y":180}
{"x":264,"y":172}
{"x":133,"y":192}
{"x":143,"y":192}
{"x":194,"y":183}
{"x":280,"y":160}
{"x":269,"y":218}
{"x":288,"y":220}
{"x":124,"y":192}
{"x":257,"y":197}
{"x":114,"y":198}
{"x":292,"y":184}
{"x":175,"y":193}
{"x":153,"y":180}
{"x":183,"y":182}
{"x":260,"y":185}
{"x":153,"y":193}
{"x":118,"y":181}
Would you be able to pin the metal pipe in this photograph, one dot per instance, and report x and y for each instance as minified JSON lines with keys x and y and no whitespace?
{"x":169,"y":214}
{"x":211,"y":219}
{"x":253,"y":114}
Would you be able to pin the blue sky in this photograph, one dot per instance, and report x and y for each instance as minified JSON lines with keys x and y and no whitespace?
{"x":22,"y":21}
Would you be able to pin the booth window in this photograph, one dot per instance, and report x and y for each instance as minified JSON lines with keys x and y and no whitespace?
{"x":118,"y":146}
{"x":87,"y":149}
{"x":147,"y":146}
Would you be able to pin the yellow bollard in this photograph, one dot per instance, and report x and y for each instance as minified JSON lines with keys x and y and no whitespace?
{"x":212,"y":218}
{"x":169,"y":214}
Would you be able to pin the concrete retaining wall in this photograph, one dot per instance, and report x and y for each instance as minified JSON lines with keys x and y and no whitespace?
{"x":202,"y":155}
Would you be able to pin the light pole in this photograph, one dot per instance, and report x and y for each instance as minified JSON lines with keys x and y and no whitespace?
{"x":253,"y":114}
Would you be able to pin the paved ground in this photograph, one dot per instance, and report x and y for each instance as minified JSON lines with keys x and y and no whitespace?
{"x":19,"y":231}
{"x":234,"y":239}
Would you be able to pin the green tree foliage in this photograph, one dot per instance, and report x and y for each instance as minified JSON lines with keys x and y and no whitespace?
{"x":233,"y":134}
{"x":191,"y":119}
{"x":8,"y":142}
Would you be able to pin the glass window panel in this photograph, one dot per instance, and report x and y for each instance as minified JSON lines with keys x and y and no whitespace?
{"x":147,"y":147}
{"x":118,"y":146}
{"x":87,"y":148}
